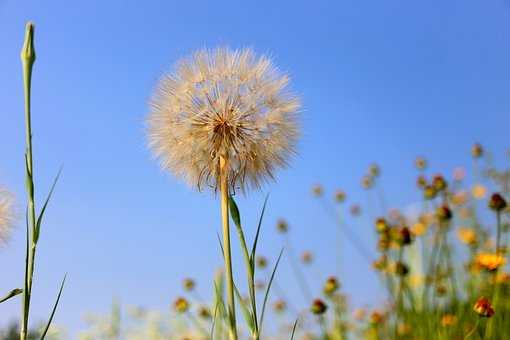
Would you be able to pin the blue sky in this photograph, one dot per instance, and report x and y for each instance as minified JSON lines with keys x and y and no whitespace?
{"x":380,"y":81}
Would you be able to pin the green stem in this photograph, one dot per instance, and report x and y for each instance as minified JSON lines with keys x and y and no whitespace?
{"x":226,"y":248}
{"x":27,"y":60}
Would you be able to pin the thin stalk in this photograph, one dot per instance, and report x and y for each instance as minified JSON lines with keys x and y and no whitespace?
{"x":27,"y":60}
{"x":498,"y":235}
{"x":229,"y":280}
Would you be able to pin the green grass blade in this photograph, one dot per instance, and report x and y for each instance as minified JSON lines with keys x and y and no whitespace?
{"x":255,"y":241}
{"x":54,"y":309}
{"x":267,"y":290}
{"x":11,"y":294}
{"x":294,"y":329}
{"x":39,"y":219}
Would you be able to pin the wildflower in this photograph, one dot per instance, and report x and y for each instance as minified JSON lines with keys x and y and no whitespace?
{"x":260,"y":285}
{"x":359,"y":314}
{"x":497,"y":202}
{"x":317,"y":190}
{"x":188,"y":284}
{"x":6,"y":215}
{"x":420,"y":163}
{"x":318,"y":307}
{"x":403,"y":236}
{"x":448,"y":320}
{"x":444,"y":213}
{"x":355,"y":210}
{"x":381,"y":225}
{"x":376,"y":318}
{"x":204,"y":312}
{"x":403,"y":329}
{"x":223,"y":104}
{"x":181,"y":305}
{"x":331,"y":286}
{"x":307,"y":257}
{"x":467,"y":236}
{"x":421,"y":182}
{"x":280,"y":306}
{"x":340,"y":196}
{"x":381,"y":263}
{"x":261,"y":262}
{"x":282,"y":226}
{"x":483,"y":307}
{"x":416,"y":280}
{"x":429,"y":192}
{"x":439,"y":183}
{"x":459,"y":174}
{"x":419,"y":229}
{"x":441,"y":290}
{"x":489,"y":261}
{"x":401,"y":269}
{"x":374,"y":170}
{"x":478,"y":191}
{"x":367,"y":182}
{"x":460,"y":198}
{"x":384,"y":242}
{"x":477,"y":150}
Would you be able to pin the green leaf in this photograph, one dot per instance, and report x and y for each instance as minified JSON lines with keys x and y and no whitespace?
{"x":234,"y":211}
{"x":267,"y":290}
{"x":39,"y":219}
{"x":11,"y":294}
{"x":54,"y":308}
{"x":245,"y":311}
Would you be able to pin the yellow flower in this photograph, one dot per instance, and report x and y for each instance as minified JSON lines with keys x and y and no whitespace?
{"x":416,"y":280}
{"x":467,"y":236}
{"x":181,"y":305}
{"x":478,"y":191}
{"x":460,"y":198}
{"x":448,"y":320}
{"x":490,"y":261}
{"x":340,"y":196}
{"x":188,"y":284}
{"x":419,"y":229}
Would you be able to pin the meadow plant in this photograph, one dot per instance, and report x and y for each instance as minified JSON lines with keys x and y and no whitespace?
{"x":225,"y":120}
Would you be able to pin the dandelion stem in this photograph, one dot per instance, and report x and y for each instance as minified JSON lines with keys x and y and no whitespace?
{"x":226,"y":247}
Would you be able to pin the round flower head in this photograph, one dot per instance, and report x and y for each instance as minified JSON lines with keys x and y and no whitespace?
{"x":6,"y":215}
{"x":224,"y":104}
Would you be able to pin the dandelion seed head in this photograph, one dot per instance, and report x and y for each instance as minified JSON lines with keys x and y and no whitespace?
{"x":6,"y":215}
{"x":224,"y":103}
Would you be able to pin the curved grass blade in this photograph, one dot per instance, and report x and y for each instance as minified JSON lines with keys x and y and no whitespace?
{"x":254,"y":247}
{"x":267,"y":290}
{"x":54,"y":308}
{"x":11,"y":294}
{"x":39,"y":219}
{"x":294,"y":329}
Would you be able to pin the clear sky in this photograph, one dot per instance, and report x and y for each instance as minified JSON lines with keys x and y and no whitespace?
{"x":380,"y":81}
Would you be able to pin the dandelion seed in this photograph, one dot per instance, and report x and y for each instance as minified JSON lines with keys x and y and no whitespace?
{"x":6,"y":215}
{"x":224,"y":103}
